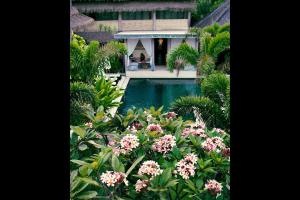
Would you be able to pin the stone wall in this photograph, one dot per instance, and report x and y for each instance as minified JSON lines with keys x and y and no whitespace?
{"x":171,"y":24}
{"x":136,"y":25}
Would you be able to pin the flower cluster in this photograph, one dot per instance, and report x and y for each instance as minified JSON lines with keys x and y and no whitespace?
{"x":89,"y":124}
{"x":137,"y":125}
{"x":214,"y":187}
{"x":225,"y":152}
{"x":132,"y":129}
{"x":154,"y":127}
{"x":219,"y":131}
{"x":129,"y":142}
{"x":197,"y":132}
{"x":150,"y":167}
{"x":140,"y":184}
{"x":209,"y":145}
{"x":111,"y":178}
{"x":171,"y":115}
{"x":164,"y":144}
{"x":219,"y":142}
{"x":186,"y":167}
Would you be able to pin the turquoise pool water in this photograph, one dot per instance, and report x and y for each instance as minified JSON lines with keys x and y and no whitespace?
{"x":143,"y":93}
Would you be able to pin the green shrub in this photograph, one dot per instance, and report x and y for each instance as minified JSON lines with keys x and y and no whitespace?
{"x":106,"y":93}
{"x":219,"y":44}
{"x":210,"y":111}
{"x":81,"y":95}
{"x":84,"y":62}
{"x":206,"y":65}
{"x":185,"y":53}
{"x":217,"y":28}
{"x":215,"y":87}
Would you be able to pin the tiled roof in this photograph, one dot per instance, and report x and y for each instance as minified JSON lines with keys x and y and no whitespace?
{"x":134,"y":6}
{"x":77,"y":20}
{"x":221,"y":15}
{"x":102,"y":37}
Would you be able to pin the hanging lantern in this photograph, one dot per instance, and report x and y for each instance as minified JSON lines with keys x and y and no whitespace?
{"x":160,"y":41}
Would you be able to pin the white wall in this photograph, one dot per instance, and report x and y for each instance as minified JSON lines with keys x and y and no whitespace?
{"x":176,"y":42}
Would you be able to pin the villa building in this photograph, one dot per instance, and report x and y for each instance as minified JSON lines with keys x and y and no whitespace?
{"x":150,"y":29}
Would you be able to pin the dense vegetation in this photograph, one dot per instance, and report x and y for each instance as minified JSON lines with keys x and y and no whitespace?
{"x":148,"y":155}
{"x":213,"y":104}
{"x":213,"y":66}
{"x":89,"y":87}
{"x":181,"y":56}
{"x":204,"y":8}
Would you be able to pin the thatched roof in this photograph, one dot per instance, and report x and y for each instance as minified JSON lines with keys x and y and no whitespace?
{"x":102,"y":37}
{"x":134,"y":6}
{"x":221,"y":16}
{"x":78,"y":21}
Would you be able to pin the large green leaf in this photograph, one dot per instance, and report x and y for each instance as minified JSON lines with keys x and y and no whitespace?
{"x":116,"y":164}
{"x":89,"y":181}
{"x":165,"y":176}
{"x":171,"y":183}
{"x":79,"y":131}
{"x":134,"y":164}
{"x":190,"y":184}
{"x":87,"y":195}
{"x":79,"y":162}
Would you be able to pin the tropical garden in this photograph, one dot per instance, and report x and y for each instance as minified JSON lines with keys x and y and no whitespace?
{"x":147,"y":153}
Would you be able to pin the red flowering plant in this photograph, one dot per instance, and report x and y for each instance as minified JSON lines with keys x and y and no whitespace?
{"x":148,"y":154}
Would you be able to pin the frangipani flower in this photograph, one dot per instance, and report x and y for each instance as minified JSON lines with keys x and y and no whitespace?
{"x":150,"y":168}
{"x":214,"y":187}
{"x":111,"y":178}
{"x":164,"y":144}
{"x":186,"y":167}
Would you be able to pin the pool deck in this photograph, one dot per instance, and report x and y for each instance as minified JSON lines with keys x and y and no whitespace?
{"x":160,"y":72}
{"x":122,"y":84}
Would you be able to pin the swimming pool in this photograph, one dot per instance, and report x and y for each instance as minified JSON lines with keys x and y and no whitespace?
{"x":144,"y":93}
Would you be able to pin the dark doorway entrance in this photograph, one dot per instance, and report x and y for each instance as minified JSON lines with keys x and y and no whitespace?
{"x":160,"y":51}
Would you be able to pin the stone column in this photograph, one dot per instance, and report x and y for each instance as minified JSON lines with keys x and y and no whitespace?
{"x":189,"y":19}
{"x":154,"y":20}
{"x":120,"y":22}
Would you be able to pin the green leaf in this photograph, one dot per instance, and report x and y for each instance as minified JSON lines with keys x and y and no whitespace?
{"x":190,"y":184}
{"x":116,"y":164}
{"x":176,"y":153}
{"x":89,"y":181}
{"x":165,"y":176}
{"x":94,"y":143}
{"x":134,"y":164}
{"x":79,"y":162}
{"x":104,"y":158}
{"x":171,"y":183}
{"x":87,"y":195}
{"x":82,"y":147}
{"x":79,"y":188}
{"x":83,"y":170}
{"x":73,"y":175}
{"x":156,"y":189}
{"x":178,"y":134}
{"x":193,"y":140}
{"x":199,"y":183}
{"x":79,"y":131}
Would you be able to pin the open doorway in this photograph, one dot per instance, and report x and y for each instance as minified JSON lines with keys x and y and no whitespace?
{"x":160,"y":51}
